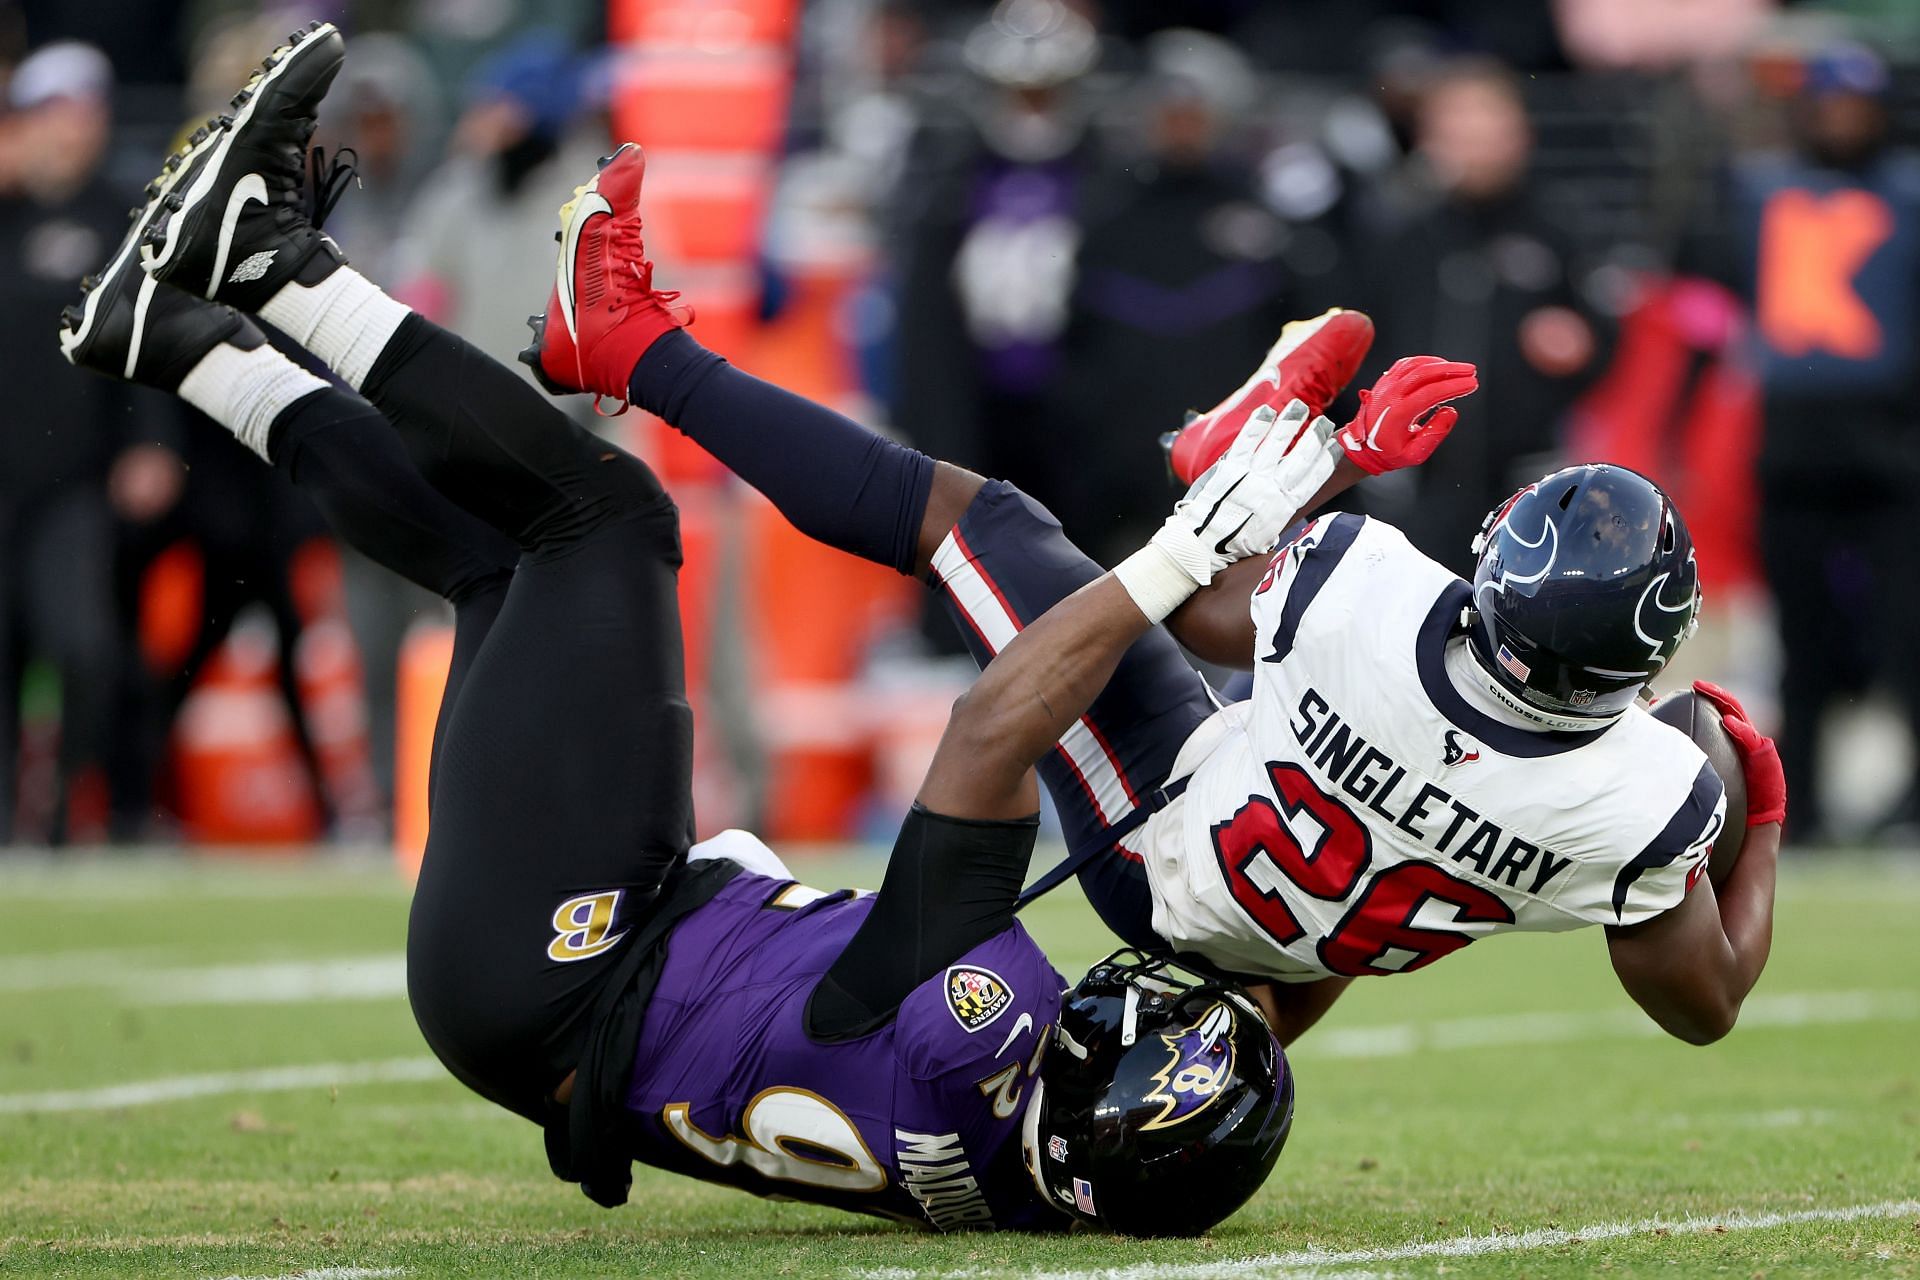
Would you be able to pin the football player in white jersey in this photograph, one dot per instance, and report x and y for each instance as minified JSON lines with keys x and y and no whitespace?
{"x":1424,"y":761}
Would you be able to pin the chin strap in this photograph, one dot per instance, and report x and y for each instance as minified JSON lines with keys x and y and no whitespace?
{"x":1030,"y":1138}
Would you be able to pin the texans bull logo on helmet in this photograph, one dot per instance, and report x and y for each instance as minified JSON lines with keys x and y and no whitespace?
{"x":1200,"y":1062}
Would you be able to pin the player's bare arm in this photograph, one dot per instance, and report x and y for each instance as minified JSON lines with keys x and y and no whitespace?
{"x":1402,"y":420}
{"x":1291,"y":1008}
{"x":1692,"y":966}
{"x":1214,"y":625}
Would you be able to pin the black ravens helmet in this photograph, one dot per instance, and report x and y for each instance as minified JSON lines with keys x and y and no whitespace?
{"x":1585,"y":587}
{"x":1163,"y":1104}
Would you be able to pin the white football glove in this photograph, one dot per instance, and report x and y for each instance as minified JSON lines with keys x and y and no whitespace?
{"x":1237,"y":508}
{"x":1241,"y":504}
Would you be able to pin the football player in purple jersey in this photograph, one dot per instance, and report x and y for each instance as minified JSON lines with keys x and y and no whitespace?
{"x":572,"y":955}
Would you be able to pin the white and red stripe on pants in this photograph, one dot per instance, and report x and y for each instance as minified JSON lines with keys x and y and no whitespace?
{"x":1085,"y":751}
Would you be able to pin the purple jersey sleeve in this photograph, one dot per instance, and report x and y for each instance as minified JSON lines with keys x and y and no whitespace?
{"x":918,"y":1120}
{"x":966,"y":1046}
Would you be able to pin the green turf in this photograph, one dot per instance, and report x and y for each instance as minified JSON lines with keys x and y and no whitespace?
{"x":1431,"y":1107}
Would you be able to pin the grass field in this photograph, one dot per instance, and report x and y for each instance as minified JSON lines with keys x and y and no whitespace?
{"x":210,"y":1071}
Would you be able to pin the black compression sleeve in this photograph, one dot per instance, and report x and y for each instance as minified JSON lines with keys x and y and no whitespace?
{"x":950,"y":885}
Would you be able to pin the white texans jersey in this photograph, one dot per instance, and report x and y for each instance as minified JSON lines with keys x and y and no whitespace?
{"x":1359,"y":815}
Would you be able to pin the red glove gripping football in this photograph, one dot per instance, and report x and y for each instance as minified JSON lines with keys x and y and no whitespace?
{"x":1388,"y":433}
{"x":1766,"y":781}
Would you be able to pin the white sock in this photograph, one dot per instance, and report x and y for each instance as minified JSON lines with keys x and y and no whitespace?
{"x":345,"y":320}
{"x":244,"y":391}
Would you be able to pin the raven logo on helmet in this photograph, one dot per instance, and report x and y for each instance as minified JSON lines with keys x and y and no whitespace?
{"x":1200,"y":1062}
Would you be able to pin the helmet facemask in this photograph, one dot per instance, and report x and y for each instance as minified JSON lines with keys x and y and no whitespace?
{"x":1163,"y":1103}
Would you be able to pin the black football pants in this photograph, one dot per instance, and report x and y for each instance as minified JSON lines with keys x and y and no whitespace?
{"x":561,"y":789}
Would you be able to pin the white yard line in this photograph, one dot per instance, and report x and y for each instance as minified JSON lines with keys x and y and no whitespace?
{"x":139,"y":980}
{"x":60,"y":970}
{"x":374,"y":977}
{"x":1794,"y":1009}
{"x":313,"y":1075}
{"x":1310,"y":1261}
{"x":368,"y":976}
{"x":333,"y":1273}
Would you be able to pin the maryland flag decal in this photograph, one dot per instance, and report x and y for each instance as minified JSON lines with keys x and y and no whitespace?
{"x":976,"y":996}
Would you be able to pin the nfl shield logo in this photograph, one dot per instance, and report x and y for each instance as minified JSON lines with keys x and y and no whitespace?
{"x":1057,"y":1148}
{"x":1083,"y":1195}
{"x":1514,"y":667}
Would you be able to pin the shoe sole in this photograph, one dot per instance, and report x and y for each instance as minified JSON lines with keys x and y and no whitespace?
{"x":77,"y":328}
{"x":159,"y":246}
{"x":1293,"y":335}
{"x":531,"y":355}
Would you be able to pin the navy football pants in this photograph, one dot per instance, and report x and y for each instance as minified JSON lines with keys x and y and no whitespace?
{"x":1003,"y":565}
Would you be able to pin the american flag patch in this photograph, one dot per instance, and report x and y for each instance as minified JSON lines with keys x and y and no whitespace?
{"x":1514,"y":667}
{"x":1083,"y":1195}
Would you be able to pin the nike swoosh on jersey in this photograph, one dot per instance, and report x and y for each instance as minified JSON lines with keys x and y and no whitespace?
{"x":591,"y":202}
{"x":1025,"y":1024}
{"x":251,"y":187}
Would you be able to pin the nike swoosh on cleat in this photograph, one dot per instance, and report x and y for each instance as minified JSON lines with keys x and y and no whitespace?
{"x":223,"y":141}
{"x":141,"y":301}
{"x":590,"y":203}
{"x":251,"y":187}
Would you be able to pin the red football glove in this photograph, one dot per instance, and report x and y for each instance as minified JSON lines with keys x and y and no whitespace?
{"x":1759,"y":760}
{"x":1388,"y":433}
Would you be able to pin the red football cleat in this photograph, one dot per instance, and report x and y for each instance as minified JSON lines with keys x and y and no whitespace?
{"x":604,"y":312}
{"x":1312,"y":361}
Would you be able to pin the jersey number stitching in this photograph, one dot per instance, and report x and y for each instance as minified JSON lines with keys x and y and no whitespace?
{"x":1260,"y":849}
{"x":794,"y":1135}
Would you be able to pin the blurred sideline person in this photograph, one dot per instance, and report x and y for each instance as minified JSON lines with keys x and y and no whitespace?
{"x":1182,"y":277}
{"x":1463,"y":257}
{"x":462,"y":260}
{"x":991,"y":206}
{"x":386,"y":109}
{"x":64,"y":446}
{"x":572,"y":956}
{"x":1827,"y":247}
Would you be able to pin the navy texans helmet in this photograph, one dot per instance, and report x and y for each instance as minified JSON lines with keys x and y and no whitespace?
{"x":1163,"y":1104}
{"x":1585,"y":587}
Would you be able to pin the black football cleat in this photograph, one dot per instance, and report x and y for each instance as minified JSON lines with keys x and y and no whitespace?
{"x":129,"y":325}
{"x":245,"y":223}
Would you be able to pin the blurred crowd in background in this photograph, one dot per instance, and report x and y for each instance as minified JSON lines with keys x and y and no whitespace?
{"x":1681,"y":236}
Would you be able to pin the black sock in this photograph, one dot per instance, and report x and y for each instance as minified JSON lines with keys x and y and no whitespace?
{"x":837,"y":482}
{"x":340,"y":452}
